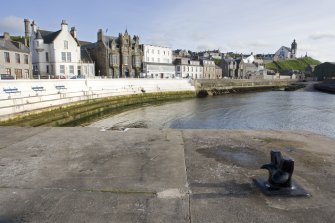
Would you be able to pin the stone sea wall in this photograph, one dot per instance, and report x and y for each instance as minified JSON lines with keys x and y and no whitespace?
{"x":21,"y":96}
{"x":225,"y":86}
{"x":73,"y":102}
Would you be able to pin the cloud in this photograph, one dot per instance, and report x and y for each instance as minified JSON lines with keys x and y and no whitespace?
{"x":319,"y":36}
{"x":12,"y":24}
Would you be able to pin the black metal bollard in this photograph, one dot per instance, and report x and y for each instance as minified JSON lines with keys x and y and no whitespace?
{"x":279,"y":181}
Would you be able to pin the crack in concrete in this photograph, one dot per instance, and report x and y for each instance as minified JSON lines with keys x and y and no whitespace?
{"x":188,"y":188}
{"x":114,"y":191}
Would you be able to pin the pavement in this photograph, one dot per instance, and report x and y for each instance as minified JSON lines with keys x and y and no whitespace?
{"x":150,"y":175}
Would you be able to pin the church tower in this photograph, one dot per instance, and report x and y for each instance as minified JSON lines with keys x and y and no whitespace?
{"x":294,"y":47}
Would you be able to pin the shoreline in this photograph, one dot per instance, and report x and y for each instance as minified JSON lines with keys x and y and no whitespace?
{"x":326,"y":86}
{"x":84,"y":112}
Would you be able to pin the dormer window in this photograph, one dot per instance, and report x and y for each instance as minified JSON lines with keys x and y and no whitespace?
{"x":66,"y":45}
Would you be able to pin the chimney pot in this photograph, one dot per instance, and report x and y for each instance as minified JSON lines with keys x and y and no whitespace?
{"x":6,"y":36}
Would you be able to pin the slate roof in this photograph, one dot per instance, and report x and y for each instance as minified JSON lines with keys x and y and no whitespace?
{"x":83,"y":43}
{"x":48,"y":36}
{"x":85,"y":56}
{"x":88,"y":46}
{"x":13,"y":46}
{"x":287,"y":48}
{"x":109,"y":39}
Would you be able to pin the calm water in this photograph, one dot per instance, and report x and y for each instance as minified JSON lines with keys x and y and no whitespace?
{"x":309,"y":111}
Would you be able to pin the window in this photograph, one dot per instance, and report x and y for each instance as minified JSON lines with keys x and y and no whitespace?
{"x":8,"y":71}
{"x":46,"y":56}
{"x":152,"y":59}
{"x":52,"y":68}
{"x":47,"y":69}
{"x":62,"y":69}
{"x":136,"y":61}
{"x":69,"y":57}
{"x":17,"y":58}
{"x":26,"y":59}
{"x":85,"y":70}
{"x":63,"y":57}
{"x":91,"y":68}
{"x":18,"y":73}
{"x":66,"y":45}
{"x":152,"y":51}
{"x":7,"y":57}
{"x":125,"y":60}
{"x":178,"y":68}
{"x":114,"y":60}
{"x":164,"y":52}
{"x":147,"y":59}
{"x":79,"y":70}
{"x":37,"y":44}
{"x":26,"y":73}
{"x":158,"y":51}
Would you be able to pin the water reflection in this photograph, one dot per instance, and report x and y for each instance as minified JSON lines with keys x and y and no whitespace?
{"x":309,"y":111}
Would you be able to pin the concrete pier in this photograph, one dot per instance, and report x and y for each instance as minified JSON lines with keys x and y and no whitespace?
{"x":149,"y":175}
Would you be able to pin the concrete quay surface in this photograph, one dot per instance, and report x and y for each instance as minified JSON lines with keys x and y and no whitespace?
{"x":149,"y":175}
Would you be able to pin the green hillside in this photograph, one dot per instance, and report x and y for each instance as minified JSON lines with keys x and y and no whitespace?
{"x":298,"y":64}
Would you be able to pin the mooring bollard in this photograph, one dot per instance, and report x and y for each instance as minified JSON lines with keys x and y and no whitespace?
{"x":280,"y":182}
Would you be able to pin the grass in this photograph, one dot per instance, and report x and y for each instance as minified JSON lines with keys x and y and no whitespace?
{"x":299,"y":64}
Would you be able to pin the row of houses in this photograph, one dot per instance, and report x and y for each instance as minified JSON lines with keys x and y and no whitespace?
{"x":61,"y":54}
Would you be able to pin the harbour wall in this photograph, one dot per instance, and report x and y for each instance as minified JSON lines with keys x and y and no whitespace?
{"x":71,"y":100}
{"x":27,"y":95}
{"x":225,"y":86}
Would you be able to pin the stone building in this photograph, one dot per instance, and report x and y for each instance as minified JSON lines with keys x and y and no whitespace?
{"x":187,"y":68}
{"x":210,"y":54}
{"x":116,"y":57}
{"x":286,"y":53}
{"x":58,"y":53}
{"x":15,"y":59}
{"x":157,"y":62}
{"x":218,"y":72}
{"x":250,"y":67}
{"x":209,"y":69}
{"x":177,"y":54}
{"x":229,"y":66}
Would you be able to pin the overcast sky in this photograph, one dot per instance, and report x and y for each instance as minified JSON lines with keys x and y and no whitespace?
{"x":243,"y":26}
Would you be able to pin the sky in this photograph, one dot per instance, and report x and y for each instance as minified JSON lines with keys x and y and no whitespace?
{"x":241,"y":26}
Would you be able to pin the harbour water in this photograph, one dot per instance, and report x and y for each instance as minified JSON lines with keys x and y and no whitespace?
{"x":275,"y":110}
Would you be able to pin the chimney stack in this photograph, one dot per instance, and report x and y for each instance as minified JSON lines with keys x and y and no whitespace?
{"x":34,"y":26}
{"x":100,"y":35}
{"x":73,"y":32}
{"x":64,"y":25}
{"x":6,"y":36}
{"x":26,"y":31}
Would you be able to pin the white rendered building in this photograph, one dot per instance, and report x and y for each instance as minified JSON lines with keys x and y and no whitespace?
{"x":187,"y":68}
{"x":157,"y":62}
{"x":59,"y":53}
